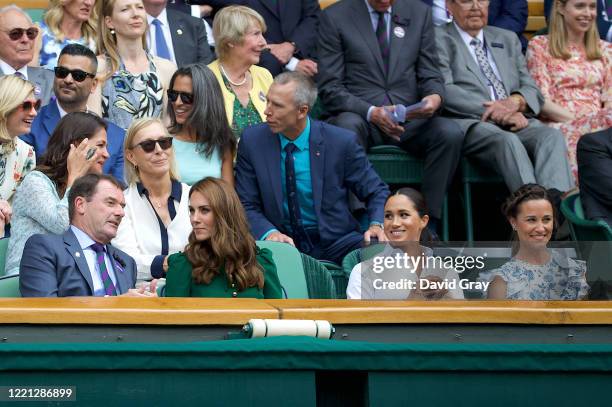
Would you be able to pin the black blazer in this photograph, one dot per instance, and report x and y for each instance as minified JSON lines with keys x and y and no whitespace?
{"x":188,"y":38}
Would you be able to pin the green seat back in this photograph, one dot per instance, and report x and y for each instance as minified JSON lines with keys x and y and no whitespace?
{"x":3,"y":248}
{"x":289,"y":268}
{"x":9,"y":286}
{"x":583,"y":229}
{"x":318,"y":278}
{"x":36,"y":14}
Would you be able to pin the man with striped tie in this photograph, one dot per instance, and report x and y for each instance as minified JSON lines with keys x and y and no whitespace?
{"x":82,"y":262}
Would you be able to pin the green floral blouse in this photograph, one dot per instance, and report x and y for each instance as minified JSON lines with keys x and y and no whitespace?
{"x":243,"y":116}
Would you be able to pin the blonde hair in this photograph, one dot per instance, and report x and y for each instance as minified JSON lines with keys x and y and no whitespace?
{"x":231,"y":25}
{"x":53,"y":19}
{"x":13,"y":91}
{"x":107,"y":42}
{"x":557,"y":35}
{"x":131,"y":172}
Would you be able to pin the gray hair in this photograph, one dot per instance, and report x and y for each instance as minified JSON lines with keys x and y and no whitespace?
{"x":305,"y":89}
{"x":10,"y":7}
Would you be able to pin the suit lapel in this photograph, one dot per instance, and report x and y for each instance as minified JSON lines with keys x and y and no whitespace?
{"x":119,"y":271}
{"x":175,"y":23}
{"x":472,"y":66}
{"x":51,"y":118}
{"x":317,"y":165}
{"x":272,"y":148}
{"x":363,"y":25}
{"x":502,"y":62}
{"x":397,"y":42}
{"x":74,"y":248}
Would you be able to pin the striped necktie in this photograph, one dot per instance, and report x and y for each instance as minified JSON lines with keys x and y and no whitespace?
{"x":109,"y":287}
{"x":383,"y":41}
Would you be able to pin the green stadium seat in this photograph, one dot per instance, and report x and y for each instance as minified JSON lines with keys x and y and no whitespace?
{"x":289,"y":268}
{"x":3,"y":248}
{"x":318,"y":279}
{"x":36,"y":14}
{"x":9,"y":286}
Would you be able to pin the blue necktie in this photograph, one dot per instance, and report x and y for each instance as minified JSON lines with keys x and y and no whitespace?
{"x":160,"y":41}
{"x":300,"y":237}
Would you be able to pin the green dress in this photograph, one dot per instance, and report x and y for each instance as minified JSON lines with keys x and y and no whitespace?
{"x":179,"y":282}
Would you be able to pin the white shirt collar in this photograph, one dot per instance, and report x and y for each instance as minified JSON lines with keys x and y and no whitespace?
{"x":62,"y":112}
{"x":9,"y":70}
{"x":467,"y":38}
{"x":162,"y":17}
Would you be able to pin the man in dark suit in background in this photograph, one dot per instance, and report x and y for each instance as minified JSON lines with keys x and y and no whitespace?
{"x":511,"y":15}
{"x":293,"y":175}
{"x":81,"y":262}
{"x":73,"y":83}
{"x":176,"y":36}
{"x":291,"y":32}
{"x":17,"y":36}
{"x":594,"y":155}
{"x":377,"y":53}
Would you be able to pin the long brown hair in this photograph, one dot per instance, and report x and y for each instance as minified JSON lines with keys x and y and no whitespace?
{"x":230,"y":245}
{"x":71,"y":129}
{"x":557,"y":35}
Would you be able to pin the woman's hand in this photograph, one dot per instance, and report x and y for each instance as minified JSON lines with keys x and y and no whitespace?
{"x":6,"y":212}
{"x":78,"y":164}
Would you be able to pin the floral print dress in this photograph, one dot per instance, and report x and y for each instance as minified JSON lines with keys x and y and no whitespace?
{"x":16,"y":160}
{"x":581,"y":86}
{"x":126,"y":97}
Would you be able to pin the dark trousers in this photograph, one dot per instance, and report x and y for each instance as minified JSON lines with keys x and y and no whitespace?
{"x":594,"y":154}
{"x":437,"y":140}
{"x":334,"y":251}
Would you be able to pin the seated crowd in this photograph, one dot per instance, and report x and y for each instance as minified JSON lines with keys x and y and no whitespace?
{"x":269,"y":141}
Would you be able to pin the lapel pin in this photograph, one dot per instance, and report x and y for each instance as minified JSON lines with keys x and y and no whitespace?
{"x":179,"y":31}
{"x":37,"y":90}
{"x":262,"y":97}
{"x":77,"y":254}
{"x":399,"y":32}
{"x":317,"y":153}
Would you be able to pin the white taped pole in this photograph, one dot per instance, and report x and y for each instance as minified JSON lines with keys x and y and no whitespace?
{"x":262,"y":328}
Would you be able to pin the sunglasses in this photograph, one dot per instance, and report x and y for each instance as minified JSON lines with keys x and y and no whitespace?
{"x":186,"y":98}
{"x":77,"y":74}
{"x":29,"y":104}
{"x":16,"y":33}
{"x":148,"y":146}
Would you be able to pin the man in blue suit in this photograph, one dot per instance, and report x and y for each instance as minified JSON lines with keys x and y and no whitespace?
{"x":81,"y":262}
{"x":74,"y":81}
{"x":293,"y":176}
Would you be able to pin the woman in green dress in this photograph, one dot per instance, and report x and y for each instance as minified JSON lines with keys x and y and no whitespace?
{"x":221,"y":258}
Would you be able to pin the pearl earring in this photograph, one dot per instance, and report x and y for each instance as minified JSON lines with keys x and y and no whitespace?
{"x":112,"y":31}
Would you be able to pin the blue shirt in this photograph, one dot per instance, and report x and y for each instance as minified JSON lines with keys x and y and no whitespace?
{"x":90,"y":256}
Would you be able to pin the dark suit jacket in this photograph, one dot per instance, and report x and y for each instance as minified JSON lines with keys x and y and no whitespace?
{"x":191,"y":45}
{"x":511,"y":15}
{"x":46,"y":121}
{"x":286,"y":20}
{"x":351,"y":73}
{"x":594,"y":155}
{"x":603,"y":25}
{"x":55,"y":266}
{"x":338,"y":164}
{"x":43,"y":82}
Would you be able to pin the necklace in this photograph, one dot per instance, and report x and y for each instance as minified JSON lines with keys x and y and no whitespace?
{"x":230,"y":81}
{"x":156,"y":203}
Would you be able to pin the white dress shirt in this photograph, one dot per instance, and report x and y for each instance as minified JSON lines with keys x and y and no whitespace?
{"x":439,"y":14}
{"x":467,"y":38}
{"x":163,"y":18}
{"x":9,"y":70}
{"x":90,"y":256}
{"x":139,"y":233}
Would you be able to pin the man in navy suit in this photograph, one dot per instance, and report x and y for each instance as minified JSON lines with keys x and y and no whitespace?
{"x":293,"y":176}
{"x":81,"y":262}
{"x":73,"y":83}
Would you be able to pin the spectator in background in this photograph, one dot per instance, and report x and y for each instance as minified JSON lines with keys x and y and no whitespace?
{"x":17,"y":36}
{"x":74,"y":82}
{"x":65,"y":22}
{"x":595,"y":170}
{"x":81,"y":261}
{"x":291,"y":32}
{"x":239,"y":37}
{"x":573,"y":69}
{"x":439,"y":13}
{"x":511,"y":15}
{"x":204,"y":144}
{"x":176,"y":36}
{"x":293,"y":176}
{"x":221,"y":259}
{"x":490,"y":94}
{"x":133,"y":83}
{"x":17,"y":110}
{"x":362,"y":74}
{"x":535,"y":272}
{"x":156,"y":221}
{"x":77,"y":147}
{"x":604,"y":17}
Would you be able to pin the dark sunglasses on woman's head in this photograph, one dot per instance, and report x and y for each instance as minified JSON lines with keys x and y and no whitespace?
{"x":16,"y":33}
{"x":77,"y":74}
{"x":29,"y":104}
{"x":186,"y":98}
{"x":148,"y":146}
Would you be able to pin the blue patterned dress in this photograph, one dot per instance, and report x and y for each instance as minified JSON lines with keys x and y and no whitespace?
{"x":51,"y":47}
